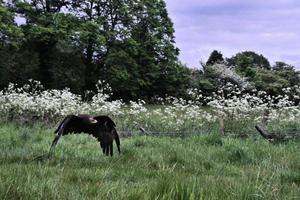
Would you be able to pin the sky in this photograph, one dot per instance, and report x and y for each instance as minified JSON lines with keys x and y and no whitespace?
{"x":268,"y":27}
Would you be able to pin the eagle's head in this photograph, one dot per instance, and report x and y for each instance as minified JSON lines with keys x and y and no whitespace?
{"x":88,"y":119}
{"x":92,"y":120}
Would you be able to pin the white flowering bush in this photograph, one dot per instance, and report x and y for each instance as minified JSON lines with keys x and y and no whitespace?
{"x":228,"y":72}
{"x":239,"y":110}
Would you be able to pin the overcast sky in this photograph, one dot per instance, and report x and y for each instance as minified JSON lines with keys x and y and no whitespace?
{"x":268,"y":27}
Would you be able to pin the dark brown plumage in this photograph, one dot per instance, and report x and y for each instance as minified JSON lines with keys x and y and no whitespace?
{"x":101,"y":127}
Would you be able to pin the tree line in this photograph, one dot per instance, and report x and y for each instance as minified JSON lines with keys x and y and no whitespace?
{"x":129,"y":44}
{"x":247,"y":67}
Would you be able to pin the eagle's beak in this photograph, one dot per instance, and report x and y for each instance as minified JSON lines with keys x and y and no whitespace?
{"x":93,"y":121}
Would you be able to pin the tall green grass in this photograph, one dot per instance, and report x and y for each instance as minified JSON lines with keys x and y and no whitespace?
{"x":196,"y":167}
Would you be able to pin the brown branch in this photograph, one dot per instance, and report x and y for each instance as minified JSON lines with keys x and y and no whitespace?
{"x":262,"y":129}
{"x":264,"y":132}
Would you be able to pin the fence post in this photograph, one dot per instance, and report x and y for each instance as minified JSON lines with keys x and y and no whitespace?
{"x":221,"y":124}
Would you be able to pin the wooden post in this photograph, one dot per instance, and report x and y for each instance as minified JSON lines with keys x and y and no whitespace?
{"x":221,"y":128}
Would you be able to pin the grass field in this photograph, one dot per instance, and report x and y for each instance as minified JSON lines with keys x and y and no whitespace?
{"x":197,"y":167}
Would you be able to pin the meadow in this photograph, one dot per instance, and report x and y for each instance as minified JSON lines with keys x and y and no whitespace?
{"x":194,"y":167}
{"x":195,"y":148}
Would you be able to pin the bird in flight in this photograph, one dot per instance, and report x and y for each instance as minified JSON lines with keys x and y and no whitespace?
{"x":100,"y":127}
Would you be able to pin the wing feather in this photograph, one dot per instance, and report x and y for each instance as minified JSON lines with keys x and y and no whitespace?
{"x":64,"y":128}
{"x":108,"y":134}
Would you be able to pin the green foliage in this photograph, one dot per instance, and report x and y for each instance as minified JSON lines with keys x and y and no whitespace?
{"x":281,"y":66}
{"x":128,"y":44}
{"x":123,"y":73}
{"x":66,"y":72}
{"x":149,"y":167}
{"x":215,"y":57}
{"x":248,"y":59}
{"x":205,"y":80}
{"x":269,"y":82}
{"x":10,"y":33}
{"x":10,"y":38}
{"x":247,"y":68}
{"x":287,"y":72}
{"x":172,"y":81}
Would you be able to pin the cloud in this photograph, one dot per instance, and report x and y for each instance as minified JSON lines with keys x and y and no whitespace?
{"x":269,"y":27}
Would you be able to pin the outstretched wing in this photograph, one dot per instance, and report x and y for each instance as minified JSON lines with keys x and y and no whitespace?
{"x":107,"y":134}
{"x":70,"y":124}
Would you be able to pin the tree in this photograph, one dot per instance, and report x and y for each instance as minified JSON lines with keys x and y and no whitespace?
{"x":10,"y":46}
{"x":215,"y":57}
{"x":124,"y":40}
{"x":122,"y":73}
{"x":205,"y":80}
{"x":270,"y":82}
{"x":46,"y":28}
{"x":248,"y":59}
{"x":281,"y":66}
{"x":10,"y":33}
{"x":130,"y":44}
{"x":287,"y":72}
{"x":67,"y":67}
{"x":153,"y":31}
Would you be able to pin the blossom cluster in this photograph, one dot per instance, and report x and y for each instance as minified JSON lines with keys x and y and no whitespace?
{"x":239,"y":109}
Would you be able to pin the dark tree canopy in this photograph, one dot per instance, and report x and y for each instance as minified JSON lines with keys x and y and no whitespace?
{"x":10,"y":44}
{"x":129,"y":44}
{"x":287,"y":72}
{"x":215,"y":57}
{"x":282,"y":66}
{"x":249,"y":59}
